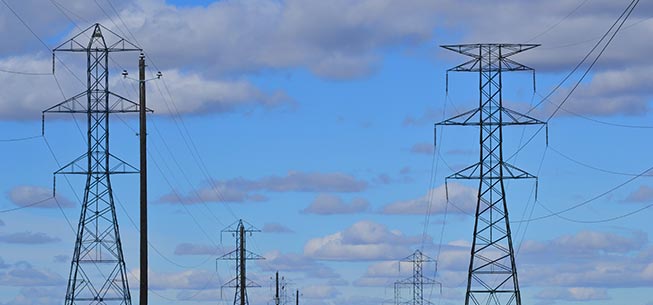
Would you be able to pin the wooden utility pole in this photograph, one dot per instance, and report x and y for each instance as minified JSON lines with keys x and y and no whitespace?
{"x":143,"y":176}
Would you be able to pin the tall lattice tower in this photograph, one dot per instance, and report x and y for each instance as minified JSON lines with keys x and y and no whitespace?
{"x":241,"y":255}
{"x":98,"y":274}
{"x":492,"y":274}
{"x":416,"y":282}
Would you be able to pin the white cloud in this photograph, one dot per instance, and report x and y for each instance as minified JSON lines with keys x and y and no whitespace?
{"x":329,"y":204}
{"x":364,"y":240}
{"x":241,"y":189}
{"x":423,"y":148}
{"x":27,"y":195}
{"x":37,"y":296}
{"x":573,"y":294}
{"x":461,"y":198}
{"x":198,"y":249}
{"x":291,"y":262}
{"x":193,"y":93}
{"x":334,"y":39}
{"x":23,"y":274}
{"x":187,"y":279}
{"x":642,"y":194}
{"x":587,"y":259}
{"x":273,"y":227}
{"x":27,"y":238}
{"x":319,"y":292}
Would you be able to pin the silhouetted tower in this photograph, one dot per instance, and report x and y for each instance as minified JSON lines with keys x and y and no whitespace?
{"x":241,"y":255}
{"x":280,"y":292}
{"x":492,"y":275}
{"x":416,"y":282}
{"x":97,"y":274}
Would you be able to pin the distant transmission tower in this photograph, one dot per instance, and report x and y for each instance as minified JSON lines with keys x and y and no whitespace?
{"x":241,"y":255}
{"x":416,"y":282}
{"x":492,"y":275}
{"x":97,"y":274}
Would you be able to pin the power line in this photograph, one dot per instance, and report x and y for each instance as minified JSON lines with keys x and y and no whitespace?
{"x":27,"y":205}
{"x":604,"y":220}
{"x":20,"y":139}
{"x":592,"y":199}
{"x":26,"y":25}
{"x":551,"y":27}
{"x":625,"y":14}
{"x":603,"y":170}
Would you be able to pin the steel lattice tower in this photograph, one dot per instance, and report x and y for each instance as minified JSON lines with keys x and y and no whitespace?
{"x":492,"y":274}
{"x":241,"y":255}
{"x":417,"y":281}
{"x":98,"y":275}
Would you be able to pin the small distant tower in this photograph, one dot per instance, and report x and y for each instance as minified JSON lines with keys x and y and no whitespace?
{"x":416,"y":282}
{"x":241,"y":255}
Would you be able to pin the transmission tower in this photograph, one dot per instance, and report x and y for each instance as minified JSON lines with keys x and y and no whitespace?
{"x":281,"y":285}
{"x":241,"y":255}
{"x":492,"y":274}
{"x":97,"y":274}
{"x":416,"y":282}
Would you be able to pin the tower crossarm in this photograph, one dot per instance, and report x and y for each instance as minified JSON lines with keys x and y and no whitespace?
{"x":79,"y":166}
{"x":78,"y":43}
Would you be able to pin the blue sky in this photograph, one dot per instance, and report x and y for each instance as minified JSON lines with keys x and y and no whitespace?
{"x":312,"y":120}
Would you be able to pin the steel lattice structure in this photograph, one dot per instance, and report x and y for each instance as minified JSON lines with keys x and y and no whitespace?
{"x":241,"y":255}
{"x":492,"y":274}
{"x":98,"y":275}
{"x":416,"y":282}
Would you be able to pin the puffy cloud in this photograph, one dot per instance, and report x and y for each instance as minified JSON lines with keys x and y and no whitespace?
{"x":422,"y":148}
{"x":187,"y":279}
{"x":241,"y":189}
{"x":37,"y":296}
{"x":642,"y":194}
{"x":24,"y":274}
{"x":319,"y":292}
{"x":198,"y":249}
{"x":193,"y":93}
{"x":462,"y":199}
{"x":28,"y":238}
{"x":383,"y":274}
{"x":273,"y":227}
{"x":609,"y":92}
{"x":334,"y":39}
{"x":364,"y":240}
{"x":588,"y":259}
{"x":28,"y":195}
{"x":328,"y":204}
{"x":291,"y":262}
{"x":585,"y":244}
{"x":574,"y":294}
